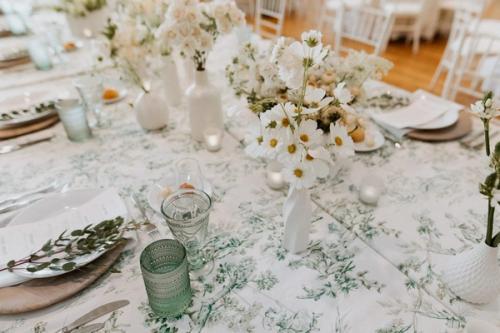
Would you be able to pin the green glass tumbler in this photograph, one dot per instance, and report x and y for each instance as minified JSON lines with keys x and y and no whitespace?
{"x":165,"y":272}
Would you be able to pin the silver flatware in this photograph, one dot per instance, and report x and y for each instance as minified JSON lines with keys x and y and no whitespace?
{"x":89,"y":328}
{"x":94,"y":314}
{"x":5,"y":149}
{"x":150,"y":229}
{"x":47,"y":189}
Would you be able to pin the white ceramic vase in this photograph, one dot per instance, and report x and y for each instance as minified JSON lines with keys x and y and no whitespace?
{"x":151,"y":110}
{"x":171,"y":84}
{"x":297,"y":213}
{"x":89,"y":25}
{"x":204,"y":105}
{"x":474,"y":275}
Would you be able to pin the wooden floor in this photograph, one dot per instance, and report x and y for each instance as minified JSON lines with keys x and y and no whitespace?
{"x":411,"y":71}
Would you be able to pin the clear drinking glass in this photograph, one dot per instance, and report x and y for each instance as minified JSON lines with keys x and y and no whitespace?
{"x":187,"y":214}
{"x":74,"y":119}
{"x":166,"y":278}
{"x":188,"y":174}
{"x":90,"y":89}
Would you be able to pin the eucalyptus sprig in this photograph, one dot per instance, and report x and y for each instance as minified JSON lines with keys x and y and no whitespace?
{"x":60,"y":253}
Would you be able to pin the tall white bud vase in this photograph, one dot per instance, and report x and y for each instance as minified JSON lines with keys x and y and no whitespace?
{"x":297,"y":213}
{"x":171,"y":83}
{"x":204,"y":105}
{"x":151,"y":110}
{"x":474,"y":275}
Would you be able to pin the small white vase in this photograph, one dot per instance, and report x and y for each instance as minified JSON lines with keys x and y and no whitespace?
{"x":204,"y":105}
{"x":297,"y":213}
{"x":171,"y":83}
{"x":151,"y":110}
{"x":89,"y":25}
{"x":474,"y":275}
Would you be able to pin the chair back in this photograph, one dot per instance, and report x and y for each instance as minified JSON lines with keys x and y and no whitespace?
{"x":479,"y":72}
{"x":269,"y":17}
{"x":366,"y":25}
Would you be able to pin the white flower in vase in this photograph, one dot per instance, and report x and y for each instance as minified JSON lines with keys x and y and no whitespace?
{"x":315,"y":100}
{"x":343,"y":145}
{"x":342,"y":94}
{"x":484,"y":109}
{"x":301,"y":174}
{"x":254,"y":141}
{"x":320,"y":160}
{"x":308,"y":133}
{"x":280,"y":117}
{"x":273,"y":143}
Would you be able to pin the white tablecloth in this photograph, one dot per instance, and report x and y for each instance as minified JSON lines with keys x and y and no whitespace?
{"x":367,"y":269}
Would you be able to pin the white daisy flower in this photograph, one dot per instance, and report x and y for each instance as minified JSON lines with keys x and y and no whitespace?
{"x":273,"y":142}
{"x":254,"y":140}
{"x":342,"y":94}
{"x":314,"y":100}
{"x":299,"y":175}
{"x":292,"y":152}
{"x":343,"y":144}
{"x":320,"y":160}
{"x":279,"y":117}
{"x":484,"y":110}
{"x":308,"y":133}
{"x":312,"y":38}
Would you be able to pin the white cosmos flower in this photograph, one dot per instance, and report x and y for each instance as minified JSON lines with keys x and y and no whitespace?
{"x":343,"y":144}
{"x":312,"y":38}
{"x":319,"y":159}
{"x":279,"y":117}
{"x":293,"y":152}
{"x":314,"y":100}
{"x":290,"y":65}
{"x":299,"y":175}
{"x":308,"y":133}
{"x":254,"y":140}
{"x":343,"y":94}
{"x":273,"y":142}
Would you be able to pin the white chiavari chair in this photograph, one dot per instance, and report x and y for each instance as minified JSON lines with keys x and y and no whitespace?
{"x":247,"y":6}
{"x":269,"y":17}
{"x":478,"y":72}
{"x":409,"y":17}
{"x":464,"y":24}
{"x":365,"y":25}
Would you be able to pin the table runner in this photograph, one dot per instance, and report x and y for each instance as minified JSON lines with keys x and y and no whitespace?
{"x":364,"y":271}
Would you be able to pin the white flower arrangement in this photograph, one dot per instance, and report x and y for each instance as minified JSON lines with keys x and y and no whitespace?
{"x":258,"y":76}
{"x":80,"y":8}
{"x":286,"y":131}
{"x":192,"y":27}
{"x":131,"y":34}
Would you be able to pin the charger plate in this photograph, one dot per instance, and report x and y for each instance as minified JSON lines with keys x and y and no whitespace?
{"x":8,"y":133}
{"x":41,"y":293}
{"x":454,"y":132}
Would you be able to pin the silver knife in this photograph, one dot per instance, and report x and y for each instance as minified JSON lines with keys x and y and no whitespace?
{"x":89,"y":328}
{"x":94,"y":314}
{"x":13,"y":147}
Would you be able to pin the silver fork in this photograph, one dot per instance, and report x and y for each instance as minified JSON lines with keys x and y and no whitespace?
{"x":150,"y":229}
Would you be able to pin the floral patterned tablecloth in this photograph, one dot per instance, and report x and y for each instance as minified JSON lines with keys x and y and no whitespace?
{"x":367,"y":269}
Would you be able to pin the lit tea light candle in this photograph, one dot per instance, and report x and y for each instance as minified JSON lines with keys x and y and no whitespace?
{"x":274,"y":177}
{"x":213,"y":139}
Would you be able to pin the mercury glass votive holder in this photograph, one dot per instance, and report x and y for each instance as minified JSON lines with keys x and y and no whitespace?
{"x":166,"y":278}
{"x":187,"y":214}
{"x":74,"y":119}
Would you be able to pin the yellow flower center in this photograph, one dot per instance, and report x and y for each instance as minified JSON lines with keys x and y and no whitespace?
{"x":304,"y":138}
{"x":273,"y":143}
{"x":309,"y":157}
{"x":260,"y":139}
{"x":298,"y":173}
{"x":285,"y":122}
{"x":339,"y":141}
{"x":292,"y":148}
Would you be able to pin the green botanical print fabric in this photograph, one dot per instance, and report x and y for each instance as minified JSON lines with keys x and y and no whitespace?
{"x":367,"y":269}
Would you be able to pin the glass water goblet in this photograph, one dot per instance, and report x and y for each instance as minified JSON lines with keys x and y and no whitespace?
{"x":188,"y":174}
{"x":187,"y":214}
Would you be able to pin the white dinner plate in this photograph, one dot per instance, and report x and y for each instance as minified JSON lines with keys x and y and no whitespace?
{"x":50,"y":206}
{"x":155,"y":196}
{"x":378,"y":142}
{"x":447,"y":119}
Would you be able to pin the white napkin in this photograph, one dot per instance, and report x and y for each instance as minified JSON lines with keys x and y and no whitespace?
{"x":419,"y":112}
{"x":18,"y":241}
